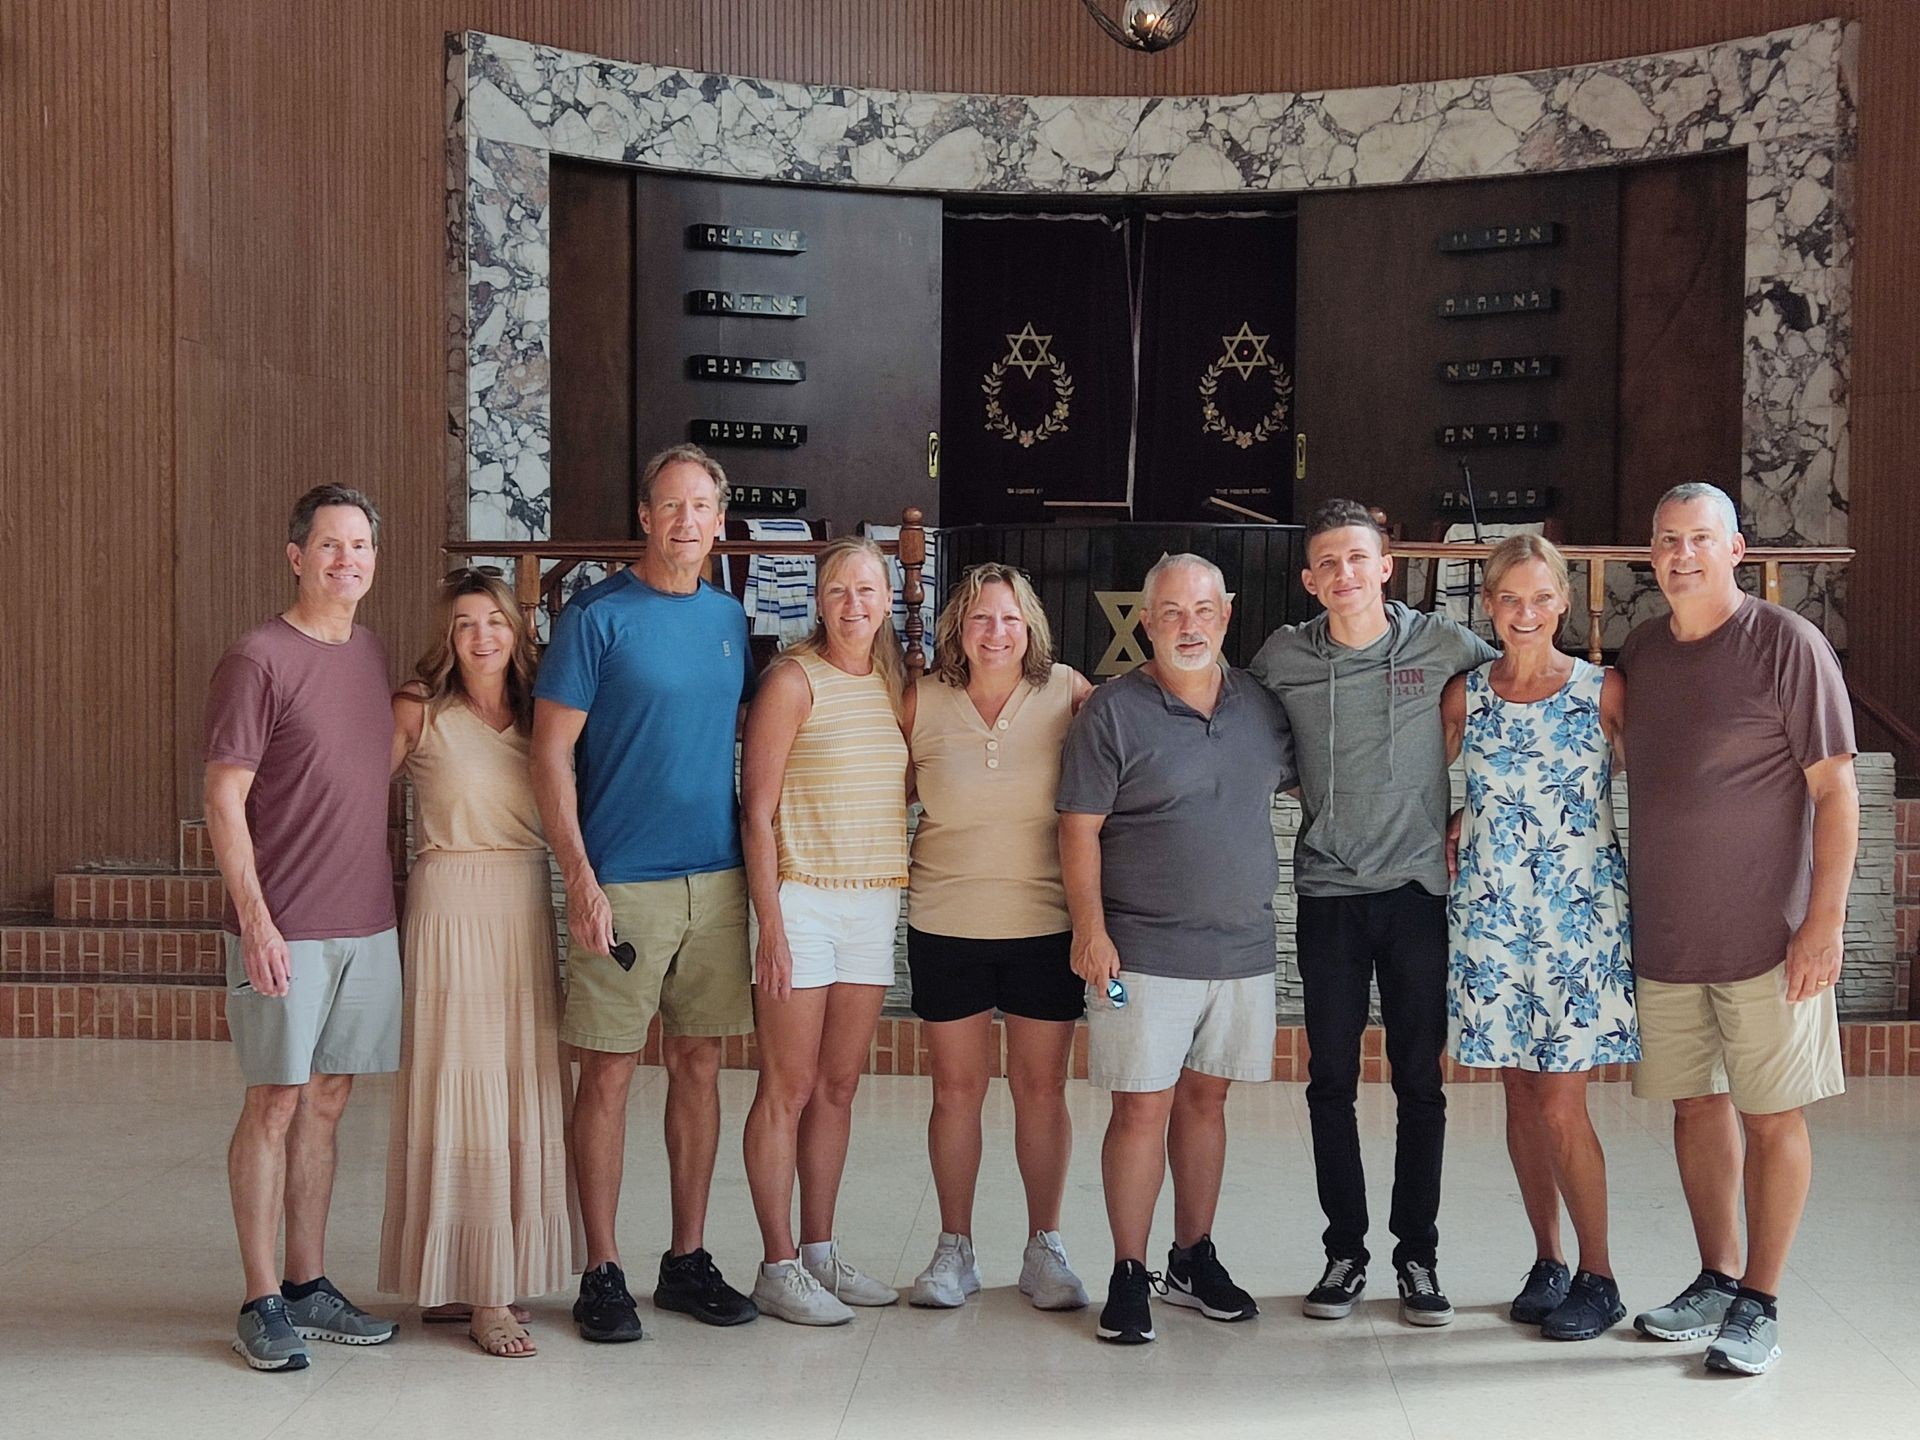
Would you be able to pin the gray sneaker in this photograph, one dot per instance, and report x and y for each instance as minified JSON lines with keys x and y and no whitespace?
{"x":791,"y":1293}
{"x":266,"y":1338}
{"x":850,"y":1286}
{"x":326,"y":1314}
{"x":950,"y":1277}
{"x":1749,"y":1340}
{"x":1694,"y":1314}
{"x":1045,"y":1276}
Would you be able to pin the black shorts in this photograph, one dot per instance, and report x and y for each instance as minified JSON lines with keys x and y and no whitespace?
{"x":1031,"y":978}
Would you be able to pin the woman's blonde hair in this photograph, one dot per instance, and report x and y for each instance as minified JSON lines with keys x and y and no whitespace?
{"x":888,"y":661}
{"x":436,"y":679}
{"x":1517,"y":550}
{"x":950,"y":661}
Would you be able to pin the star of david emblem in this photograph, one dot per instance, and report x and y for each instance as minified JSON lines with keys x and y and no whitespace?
{"x":1123,"y":609}
{"x":1246,"y":352}
{"x":1028,"y":352}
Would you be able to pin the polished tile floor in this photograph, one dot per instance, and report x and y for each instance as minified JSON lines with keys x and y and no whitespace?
{"x":118,"y":1277}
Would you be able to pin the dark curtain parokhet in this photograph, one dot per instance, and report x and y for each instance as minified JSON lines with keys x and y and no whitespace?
{"x":1036,"y":365}
{"x":1216,"y":367}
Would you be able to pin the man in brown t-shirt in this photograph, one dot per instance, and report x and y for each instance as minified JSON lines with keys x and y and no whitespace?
{"x":1744,"y":821}
{"x":298,"y":739}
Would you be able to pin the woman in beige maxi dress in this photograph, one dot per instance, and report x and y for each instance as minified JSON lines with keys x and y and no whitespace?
{"x":480,"y":1201}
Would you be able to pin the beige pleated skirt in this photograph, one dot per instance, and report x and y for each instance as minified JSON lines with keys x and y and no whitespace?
{"x":481,"y":1205}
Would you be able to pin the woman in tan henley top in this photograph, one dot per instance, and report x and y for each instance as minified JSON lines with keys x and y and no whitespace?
{"x":987,"y":925}
{"x":824,"y":830}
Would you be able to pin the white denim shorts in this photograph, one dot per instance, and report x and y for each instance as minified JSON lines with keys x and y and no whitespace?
{"x":838,"y":936}
{"x":1216,"y":1027}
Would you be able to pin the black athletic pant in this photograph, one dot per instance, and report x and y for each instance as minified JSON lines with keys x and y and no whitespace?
{"x":1345,"y":941}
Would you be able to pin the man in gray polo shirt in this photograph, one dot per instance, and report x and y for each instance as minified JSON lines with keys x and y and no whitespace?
{"x":1166,"y":846}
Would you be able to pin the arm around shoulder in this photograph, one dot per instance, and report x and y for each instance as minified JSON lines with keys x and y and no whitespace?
{"x":1082,"y":689}
{"x":409,"y":721}
{"x":1453,"y":715}
{"x":1613,"y":714}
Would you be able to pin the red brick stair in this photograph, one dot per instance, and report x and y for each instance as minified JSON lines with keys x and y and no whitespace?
{"x":127,"y":953}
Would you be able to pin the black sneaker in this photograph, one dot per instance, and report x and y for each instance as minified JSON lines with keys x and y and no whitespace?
{"x":692,"y":1285}
{"x":1128,"y":1316}
{"x":1422,"y":1301}
{"x":605,"y":1311}
{"x":1541,"y":1294}
{"x":1592,"y":1306}
{"x":1338,"y":1291}
{"x":1197,"y":1280}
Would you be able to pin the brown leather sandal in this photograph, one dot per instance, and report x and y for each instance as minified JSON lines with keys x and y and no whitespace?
{"x":502,"y":1333}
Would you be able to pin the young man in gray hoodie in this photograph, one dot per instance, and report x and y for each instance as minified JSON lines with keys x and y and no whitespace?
{"x":1361,"y":687}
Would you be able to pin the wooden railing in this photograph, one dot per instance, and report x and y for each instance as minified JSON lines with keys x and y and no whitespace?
{"x":538,"y":567}
{"x":1596,"y":558}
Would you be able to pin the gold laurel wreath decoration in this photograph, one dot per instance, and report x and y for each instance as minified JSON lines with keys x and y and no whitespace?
{"x":1053,"y":423}
{"x":1215,"y":423}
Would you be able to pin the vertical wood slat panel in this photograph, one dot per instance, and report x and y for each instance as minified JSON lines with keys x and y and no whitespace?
{"x":221,"y":243}
{"x":86,"y":495}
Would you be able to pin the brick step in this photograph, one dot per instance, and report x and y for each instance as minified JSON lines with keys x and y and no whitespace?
{"x":112,"y":896}
{"x":136,"y":1009}
{"x":196,"y":847}
{"x":44,"y":947}
{"x":115,"y":897}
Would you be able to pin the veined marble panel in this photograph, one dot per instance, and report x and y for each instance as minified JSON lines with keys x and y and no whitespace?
{"x":1786,"y":98}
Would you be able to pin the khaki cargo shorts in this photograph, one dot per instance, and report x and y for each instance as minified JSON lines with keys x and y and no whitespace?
{"x":1742,"y":1039}
{"x":1222,"y":1028}
{"x":691,"y":965}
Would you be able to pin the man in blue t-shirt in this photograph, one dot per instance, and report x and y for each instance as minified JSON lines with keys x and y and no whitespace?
{"x":635,"y":711}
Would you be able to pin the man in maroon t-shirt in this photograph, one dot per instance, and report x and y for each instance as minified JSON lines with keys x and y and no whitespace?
{"x":298,"y":740}
{"x":1744,"y":822}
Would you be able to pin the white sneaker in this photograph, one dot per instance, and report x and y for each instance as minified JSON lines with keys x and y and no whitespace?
{"x":1045,"y":1276}
{"x":790,"y":1293}
{"x":851,"y":1286}
{"x":950,"y":1276}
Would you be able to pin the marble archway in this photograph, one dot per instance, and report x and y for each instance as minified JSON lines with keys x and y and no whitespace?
{"x":1784,"y":98}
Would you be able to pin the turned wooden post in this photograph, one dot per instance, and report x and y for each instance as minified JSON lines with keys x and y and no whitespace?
{"x":1596,"y":605}
{"x":913,"y":559}
{"x":1772,"y":572}
{"x":526,"y":586}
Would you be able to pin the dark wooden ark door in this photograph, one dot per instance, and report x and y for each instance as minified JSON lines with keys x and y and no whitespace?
{"x":1373,"y":398}
{"x":867,"y":344}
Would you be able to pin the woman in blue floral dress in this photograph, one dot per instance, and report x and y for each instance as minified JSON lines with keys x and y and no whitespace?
{"x":1541,"y":973}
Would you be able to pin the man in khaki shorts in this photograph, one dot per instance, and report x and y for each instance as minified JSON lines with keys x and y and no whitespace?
{"x":1166,"y":848}
{"x":636,"y":707}
{"x":1744,"y":820}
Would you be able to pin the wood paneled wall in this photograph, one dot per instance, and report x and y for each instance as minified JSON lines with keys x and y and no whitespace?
{"x":220,"y":281}
{"x":86,"y":438}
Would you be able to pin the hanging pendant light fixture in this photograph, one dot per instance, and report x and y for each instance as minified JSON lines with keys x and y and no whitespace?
{"x":1145,"y":24}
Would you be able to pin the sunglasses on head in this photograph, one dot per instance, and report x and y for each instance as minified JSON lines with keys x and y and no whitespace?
{"x":462,"y":572}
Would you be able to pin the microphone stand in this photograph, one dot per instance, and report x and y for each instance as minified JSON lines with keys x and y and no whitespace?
{"x":1473,"y":514}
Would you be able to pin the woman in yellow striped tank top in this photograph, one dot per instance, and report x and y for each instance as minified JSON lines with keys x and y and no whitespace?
{"x":824,"y":828}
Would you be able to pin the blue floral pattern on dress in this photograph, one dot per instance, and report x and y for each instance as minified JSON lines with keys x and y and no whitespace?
{"x":1541,"y":967}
